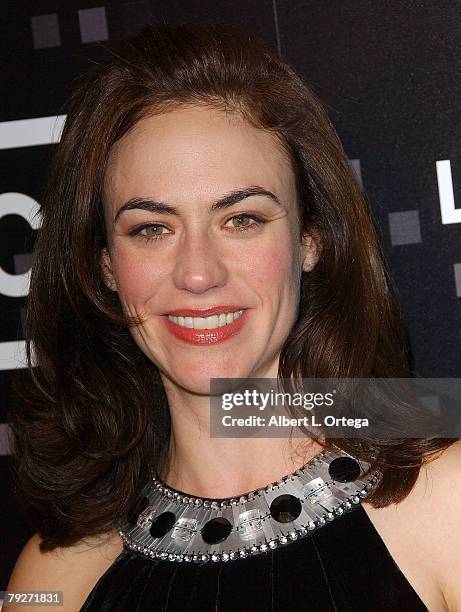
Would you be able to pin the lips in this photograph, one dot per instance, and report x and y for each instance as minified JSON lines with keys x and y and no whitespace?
{"x":205,"y":336}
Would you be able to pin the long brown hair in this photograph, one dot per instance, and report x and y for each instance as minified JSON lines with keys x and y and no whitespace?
{"x":93,"y":417}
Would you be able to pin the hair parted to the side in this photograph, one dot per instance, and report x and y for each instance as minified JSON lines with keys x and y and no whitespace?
{"x":93,"y":416}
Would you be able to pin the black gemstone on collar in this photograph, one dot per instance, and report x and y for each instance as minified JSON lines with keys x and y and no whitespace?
{"x":344,"y":469}
{"x":162,"y":524}
{"x":140,"y":504}
{"x":216,"y":530}
{"x":285,"y":508}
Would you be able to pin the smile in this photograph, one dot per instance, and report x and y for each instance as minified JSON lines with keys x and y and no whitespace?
{"x":206,"y":330}
{"x":207,"y":323}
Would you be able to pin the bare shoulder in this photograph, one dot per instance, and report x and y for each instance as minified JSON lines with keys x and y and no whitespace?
{"x":72,"y":569}
{"x":423,"y":532}
{"x":443,"y":486}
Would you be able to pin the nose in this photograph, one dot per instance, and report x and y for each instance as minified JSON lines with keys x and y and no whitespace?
{"x":198,"y":266}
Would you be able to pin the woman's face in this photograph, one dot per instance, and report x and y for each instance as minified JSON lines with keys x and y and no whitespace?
{"x":211,"y":223}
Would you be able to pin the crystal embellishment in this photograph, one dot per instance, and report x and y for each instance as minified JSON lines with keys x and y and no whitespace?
{"x":162,"y":524}
{"x":316,"y":490}
{"x":171,"y":526}
{"x":145,"y":518}
{"x":216,"y":530}
{"x":344,"y":469}
{"x":249,"y":523}
{"x":184,"y":529}
{"x":285,"y":508}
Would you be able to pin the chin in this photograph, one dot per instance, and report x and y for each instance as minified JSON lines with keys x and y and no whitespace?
{"x":197,"y":380}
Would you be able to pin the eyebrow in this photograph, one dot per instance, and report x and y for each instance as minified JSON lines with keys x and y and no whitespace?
{"x":229,"y":199}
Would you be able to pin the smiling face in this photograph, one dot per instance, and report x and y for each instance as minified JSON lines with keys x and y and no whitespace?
{"x":200,"y":212}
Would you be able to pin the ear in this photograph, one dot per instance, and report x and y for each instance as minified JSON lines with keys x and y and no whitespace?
{"x":106,"y":269}
{"x":310,"y":250}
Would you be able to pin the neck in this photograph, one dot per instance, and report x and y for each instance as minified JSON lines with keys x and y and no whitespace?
{"x":220,"y":468}
{"x":214,"y":467}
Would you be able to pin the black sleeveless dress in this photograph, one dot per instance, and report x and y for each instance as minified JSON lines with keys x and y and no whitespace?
{"x":344,"y":566}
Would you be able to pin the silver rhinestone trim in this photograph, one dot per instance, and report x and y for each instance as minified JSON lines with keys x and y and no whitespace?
{"x":192,"y":513}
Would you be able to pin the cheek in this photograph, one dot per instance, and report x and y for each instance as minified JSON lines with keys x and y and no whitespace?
{"x":136,"y":280}
{"x":273,"y":268}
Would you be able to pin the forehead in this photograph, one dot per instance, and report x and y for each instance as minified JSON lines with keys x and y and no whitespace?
{"x":195,"y":152}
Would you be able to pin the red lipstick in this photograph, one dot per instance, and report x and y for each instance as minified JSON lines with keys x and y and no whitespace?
{"x":206,"y":336}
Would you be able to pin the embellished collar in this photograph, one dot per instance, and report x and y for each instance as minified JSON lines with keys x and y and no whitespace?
{"x":171,"y":525}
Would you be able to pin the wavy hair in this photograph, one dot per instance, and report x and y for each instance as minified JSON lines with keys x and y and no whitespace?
{"x":86,"y":430}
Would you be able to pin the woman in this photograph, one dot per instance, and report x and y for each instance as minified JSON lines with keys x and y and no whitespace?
{"x":197,"y":175}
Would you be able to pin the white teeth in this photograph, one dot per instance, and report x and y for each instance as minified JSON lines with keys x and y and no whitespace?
{"x":208,"y":322}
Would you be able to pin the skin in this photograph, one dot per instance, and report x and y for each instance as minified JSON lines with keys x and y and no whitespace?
{"x":189,"y":158}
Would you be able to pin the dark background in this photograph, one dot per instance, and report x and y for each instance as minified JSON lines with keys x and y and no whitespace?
{"x":389,"y":75}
